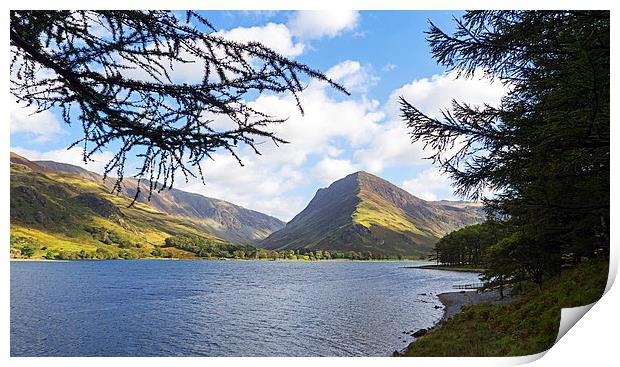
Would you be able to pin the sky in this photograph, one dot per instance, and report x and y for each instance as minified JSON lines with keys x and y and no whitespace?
{"x":377,"y":55}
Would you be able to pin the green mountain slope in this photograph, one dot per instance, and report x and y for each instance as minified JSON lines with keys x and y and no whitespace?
{"x":363,"y":212}
{"x":55,"y":213}
{"x":220,"y":218}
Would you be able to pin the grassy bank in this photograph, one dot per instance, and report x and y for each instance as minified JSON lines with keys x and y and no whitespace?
{"x":527,"y":326}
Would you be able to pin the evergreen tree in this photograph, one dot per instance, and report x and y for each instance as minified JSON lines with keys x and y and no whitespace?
{"x":112,"y":72}
{"x":545,"y":149}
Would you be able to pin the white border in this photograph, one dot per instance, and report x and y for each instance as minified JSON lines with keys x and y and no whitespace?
{"x":593,"y":339}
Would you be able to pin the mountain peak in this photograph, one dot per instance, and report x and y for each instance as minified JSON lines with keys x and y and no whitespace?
{"x":361,"y":179}
{"x":364,"y":212}
{"x":361,"y":173}
{"x":358,"y":174}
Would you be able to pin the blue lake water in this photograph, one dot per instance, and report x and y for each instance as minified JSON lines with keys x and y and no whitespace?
{"x":221,"y":308}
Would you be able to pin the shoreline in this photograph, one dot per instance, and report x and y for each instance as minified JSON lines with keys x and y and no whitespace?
{"x":445,"y":268}
{"x":453,"y":302}
{"x":223,"y":259}
{"x":37,"y":260}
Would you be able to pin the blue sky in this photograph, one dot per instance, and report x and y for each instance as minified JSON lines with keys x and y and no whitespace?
{"x":377,"y":55}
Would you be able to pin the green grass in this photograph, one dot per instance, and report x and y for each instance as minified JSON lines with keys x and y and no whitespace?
{"x":527,"y":326}
{"x":380,"y":213}
{"x":398,"y":233}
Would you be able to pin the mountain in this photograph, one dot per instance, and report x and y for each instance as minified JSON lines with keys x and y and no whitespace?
{"x":218,"y":217}
{"x":363,"y":212}
{"x":61,"y":215}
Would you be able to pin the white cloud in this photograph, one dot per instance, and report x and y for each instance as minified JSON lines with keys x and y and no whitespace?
{"x":431,"y":95}
{"x":275,"y":36}
{"x":315,"y":24}
{"x":329,"y":170}
{"x":43,"y":125}
{"x":260,"y":185}
{"x":392,"y":146}
{"x":325,"y":119}
{"x":72,"y":156}
{"x":353,"y":76}
{"x":333,"y":151}
{"x":430,"y":184}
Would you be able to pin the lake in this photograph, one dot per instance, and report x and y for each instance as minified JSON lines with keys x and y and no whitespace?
{"x":221,"y":308}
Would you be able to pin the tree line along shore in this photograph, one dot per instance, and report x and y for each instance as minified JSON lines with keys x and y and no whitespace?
{"x":184,"y":247}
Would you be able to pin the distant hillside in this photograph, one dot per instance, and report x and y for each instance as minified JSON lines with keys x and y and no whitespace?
{"x":460,"y":204}
{"x":363,"y":212}
{"x":18,"y":159}
{"x":61,"y":215}
{"x":220,"y":218}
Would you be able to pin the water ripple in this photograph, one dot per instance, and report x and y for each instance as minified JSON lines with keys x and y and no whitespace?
{"x":220,"y":308}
